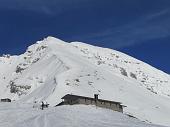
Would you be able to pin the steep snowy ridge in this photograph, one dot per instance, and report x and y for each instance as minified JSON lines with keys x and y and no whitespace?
{"x":52,"y":68}
{"x":153,"y":79}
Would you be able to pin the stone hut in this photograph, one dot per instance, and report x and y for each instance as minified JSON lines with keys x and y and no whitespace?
{"x":70,"y":99}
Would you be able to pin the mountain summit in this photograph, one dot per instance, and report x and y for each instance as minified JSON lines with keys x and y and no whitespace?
{"x":52,"y":68}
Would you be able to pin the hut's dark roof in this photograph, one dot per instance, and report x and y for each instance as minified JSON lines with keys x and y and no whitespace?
{"x":5,"y":100}
{"x":74,"y":97}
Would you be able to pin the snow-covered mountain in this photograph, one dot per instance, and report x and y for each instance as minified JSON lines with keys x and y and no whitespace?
{"x":52,"y":68}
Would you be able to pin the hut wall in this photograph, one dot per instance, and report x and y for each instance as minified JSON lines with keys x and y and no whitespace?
{"x":108,"y":105}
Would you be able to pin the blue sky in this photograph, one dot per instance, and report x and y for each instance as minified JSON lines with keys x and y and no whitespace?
{"x":140,"y":28}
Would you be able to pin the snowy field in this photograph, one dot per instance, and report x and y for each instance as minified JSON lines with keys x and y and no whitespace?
{"x":24,"y":115}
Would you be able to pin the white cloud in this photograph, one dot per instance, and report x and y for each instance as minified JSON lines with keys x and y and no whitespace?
{"x":149,"y":27}
{"x":43,"y":6}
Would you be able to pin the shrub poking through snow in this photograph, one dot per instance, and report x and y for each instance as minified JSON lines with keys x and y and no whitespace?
{"x":19,"y":69}
{"x":123,"y":72}
{"x":133,"y":75}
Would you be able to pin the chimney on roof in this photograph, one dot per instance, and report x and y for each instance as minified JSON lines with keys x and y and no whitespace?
{"x":96,"y":96}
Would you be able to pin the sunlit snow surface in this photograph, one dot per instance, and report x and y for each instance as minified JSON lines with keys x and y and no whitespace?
{"x":52,"y":68}
{"x":23,"y":115}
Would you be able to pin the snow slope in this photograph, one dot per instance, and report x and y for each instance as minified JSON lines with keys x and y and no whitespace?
{"x":52,"y":68}
{"x":23,"y":115}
